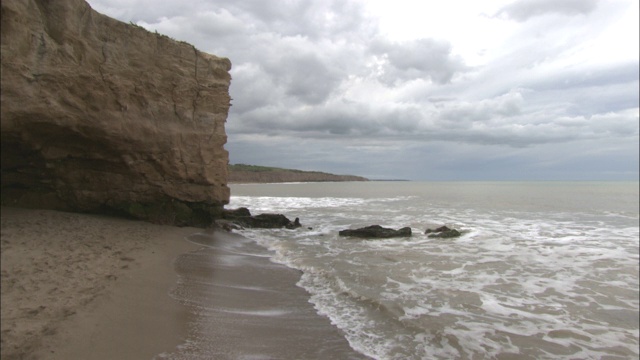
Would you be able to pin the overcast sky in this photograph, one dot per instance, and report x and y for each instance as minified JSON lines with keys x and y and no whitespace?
{"x":421,"y":90}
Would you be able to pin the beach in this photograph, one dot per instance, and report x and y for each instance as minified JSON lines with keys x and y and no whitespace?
{"x":86,"y":286}
{"x":93,"y":287}
{"x":248,"y":307}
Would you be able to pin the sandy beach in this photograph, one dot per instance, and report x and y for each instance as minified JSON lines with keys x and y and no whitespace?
{"x":85,"y":286}
{"x":78,"y":286}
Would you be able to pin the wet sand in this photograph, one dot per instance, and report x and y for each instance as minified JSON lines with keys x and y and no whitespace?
{"x":90,"y":287}
{"x":248,"y":307}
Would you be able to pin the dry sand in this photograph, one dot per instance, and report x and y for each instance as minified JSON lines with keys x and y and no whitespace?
{"x":88,"y":287}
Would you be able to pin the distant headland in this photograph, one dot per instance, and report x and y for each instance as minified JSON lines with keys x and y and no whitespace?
{"x":242,"y":173}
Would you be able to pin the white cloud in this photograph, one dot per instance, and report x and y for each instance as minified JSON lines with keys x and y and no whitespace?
{"x":523,"y":10}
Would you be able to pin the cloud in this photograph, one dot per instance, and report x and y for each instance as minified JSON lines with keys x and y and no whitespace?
{"x":507,"y":105}
{"x":523,"y":10}
{"x":305,"y":76}
{"x":593,"y":76}
{"x":418,"y":59}
{"x":216,"y":23}
{"x":313,"y":19}
{"x":510,"y":120}
{"x":250,"y":89}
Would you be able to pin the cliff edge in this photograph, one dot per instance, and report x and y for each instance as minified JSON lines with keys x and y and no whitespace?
{"x":102,"y":116}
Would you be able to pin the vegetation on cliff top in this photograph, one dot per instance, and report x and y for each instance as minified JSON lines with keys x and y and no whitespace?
{"x":242,"y":173}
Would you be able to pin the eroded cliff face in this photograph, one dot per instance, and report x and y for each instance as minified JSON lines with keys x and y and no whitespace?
{"x":102,"y":116}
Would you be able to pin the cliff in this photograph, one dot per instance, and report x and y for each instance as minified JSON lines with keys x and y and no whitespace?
{"x":102,"y":116}
{"x":241,"y":173}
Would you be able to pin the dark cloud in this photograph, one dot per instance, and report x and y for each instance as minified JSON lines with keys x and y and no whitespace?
{"x":306,"y":77}
{"x":505,"y":120}
{"x":523,"y":10}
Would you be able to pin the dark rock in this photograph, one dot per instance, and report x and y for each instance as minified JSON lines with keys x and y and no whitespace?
{"x":377,"y":232}
{"x":446,"y":234}
{"x":269,"y":221}
{"x":440,"y":229}
{"x":242,"y":217}
{"x":167,"y":211}
{"x":236,"y":213}
{"x":294,"y":225}
{"x":442,"y":232}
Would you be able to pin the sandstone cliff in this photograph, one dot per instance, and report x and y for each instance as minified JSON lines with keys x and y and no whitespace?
{"x":102,"y":116}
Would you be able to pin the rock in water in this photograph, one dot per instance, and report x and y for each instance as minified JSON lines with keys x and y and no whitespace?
{"x":437,"y":230}
{"x":376,"y":232}
{"x":442,"y":232}
{"x":102,"y":116}
{"x":242,"y":217}
{"x":236,"y":213}
{"x":294,"y":225}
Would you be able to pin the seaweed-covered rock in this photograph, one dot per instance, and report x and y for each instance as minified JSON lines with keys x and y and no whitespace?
{"x":376,"y":232}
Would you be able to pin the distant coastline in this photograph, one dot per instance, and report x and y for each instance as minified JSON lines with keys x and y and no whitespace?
{"x":254,"y":174}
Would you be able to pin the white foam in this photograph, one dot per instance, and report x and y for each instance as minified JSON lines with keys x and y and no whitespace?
{"x":266,"y":312}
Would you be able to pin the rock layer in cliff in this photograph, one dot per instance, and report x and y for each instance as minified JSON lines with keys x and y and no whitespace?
{"x":98,"y":115}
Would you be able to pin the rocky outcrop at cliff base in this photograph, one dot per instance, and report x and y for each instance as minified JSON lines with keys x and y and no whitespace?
{"x":242,"y":218}
{"x":102,"y":116}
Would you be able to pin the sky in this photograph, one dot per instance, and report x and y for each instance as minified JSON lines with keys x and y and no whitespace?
{"x":421,"y":90}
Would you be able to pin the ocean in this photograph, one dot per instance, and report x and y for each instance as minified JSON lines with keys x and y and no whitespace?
{"x":543,"y":270}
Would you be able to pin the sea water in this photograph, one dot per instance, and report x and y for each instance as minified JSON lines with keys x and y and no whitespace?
{"x":543,"y":270}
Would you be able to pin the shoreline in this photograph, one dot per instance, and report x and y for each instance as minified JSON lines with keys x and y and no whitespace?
{"x":250,"y":307}
{"x":88,"y":286}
